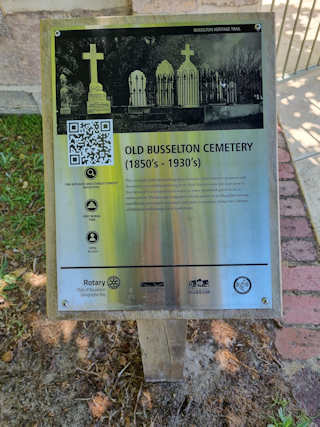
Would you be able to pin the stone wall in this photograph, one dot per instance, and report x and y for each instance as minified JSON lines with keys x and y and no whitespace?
{"x":20,"y":29}
{"x":194,"y":6}
{"x":137,"y":6}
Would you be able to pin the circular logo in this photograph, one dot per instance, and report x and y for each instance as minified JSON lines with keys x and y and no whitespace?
{"x":91,"y":173}
{"x":113,"y":282}
{"x":242,"y":285}
{"x":91,"y":205}
{"x":92,"y":237}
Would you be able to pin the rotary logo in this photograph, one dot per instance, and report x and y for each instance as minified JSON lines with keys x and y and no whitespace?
{"x":113,"y":282}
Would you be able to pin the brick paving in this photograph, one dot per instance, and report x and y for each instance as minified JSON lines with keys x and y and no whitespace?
{"x":299,"y":338}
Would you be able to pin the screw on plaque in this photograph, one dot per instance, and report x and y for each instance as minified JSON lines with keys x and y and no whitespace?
{"x":57,"y":33}
{"x":264,"y":300}
{"x":65,"y":303}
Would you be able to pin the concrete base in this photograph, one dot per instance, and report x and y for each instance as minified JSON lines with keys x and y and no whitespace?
{"x":215,"y":113}
{"x":20,"y":99}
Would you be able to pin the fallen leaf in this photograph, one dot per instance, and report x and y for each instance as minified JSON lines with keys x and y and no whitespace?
{"x":99,"y":404}
{"x":228,"y":361}
{"x":36,"y":280}
{"x":7,"y":356}
{"x":146,"y":400}
{"x":3,"y":284}
{"x":83,"y":344}
{"x":123,"y":361}
{"x":3,"y":303}
{"x":223,"y":333}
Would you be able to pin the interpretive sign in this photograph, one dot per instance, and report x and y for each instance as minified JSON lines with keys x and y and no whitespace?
{"x":161,"y":167}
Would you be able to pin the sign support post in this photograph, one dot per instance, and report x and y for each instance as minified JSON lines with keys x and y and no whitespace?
{"x":163,"y":345}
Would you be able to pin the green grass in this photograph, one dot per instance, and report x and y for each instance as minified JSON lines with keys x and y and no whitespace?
{"x":283,"y":417}
{"x":22,"y":189}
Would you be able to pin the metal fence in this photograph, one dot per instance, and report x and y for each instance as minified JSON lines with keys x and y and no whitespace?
{"x":298,"y":27}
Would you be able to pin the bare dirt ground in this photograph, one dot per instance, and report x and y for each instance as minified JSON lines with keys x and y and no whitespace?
{"x":72,"y":373}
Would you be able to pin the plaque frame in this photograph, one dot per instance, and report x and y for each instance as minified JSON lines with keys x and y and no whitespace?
{"x":47,"y":26}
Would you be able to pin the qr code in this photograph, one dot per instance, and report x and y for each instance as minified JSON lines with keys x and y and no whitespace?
{"x":90,"y":142}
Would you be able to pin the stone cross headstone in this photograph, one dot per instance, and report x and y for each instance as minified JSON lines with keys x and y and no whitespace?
{"x":165,"y":79}
{"x":137,"y":87}
{"x":188,"y":81}
{"x":97,"y":98}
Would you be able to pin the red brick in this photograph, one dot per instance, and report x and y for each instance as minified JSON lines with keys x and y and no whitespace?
{"x":281,"y":139}
{"x":298,"y":343}
{"x":283,"y":155}
{"x":292,"y":207}
{"x":301,"y":278}
{"x":301,"y":309}
{"x":299,"y":250}
{"x":286,"y":171}
{"x":295,"y":227}
{"x":288,"y":188}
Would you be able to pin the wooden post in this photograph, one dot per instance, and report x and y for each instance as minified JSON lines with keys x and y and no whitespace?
{"x":163,"y":344}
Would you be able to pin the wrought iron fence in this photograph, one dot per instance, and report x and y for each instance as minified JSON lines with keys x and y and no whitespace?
{"x":298,"y":44}
{"x":237,"y":87}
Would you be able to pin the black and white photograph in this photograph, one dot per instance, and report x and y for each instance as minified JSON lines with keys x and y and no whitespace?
{"x":162,"y":78}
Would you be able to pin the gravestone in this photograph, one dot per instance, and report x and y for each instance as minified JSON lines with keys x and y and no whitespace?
{"x":165,"y":80}
{"x":161,"y":221}
{"x":65,"y":96}
{"x":137,"y":88}
{"x":97,"y":98}
{"x":188,"y":81}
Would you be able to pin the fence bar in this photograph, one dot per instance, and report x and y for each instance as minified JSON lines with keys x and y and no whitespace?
{"x":272,"y":5}
{"x":313,"y":46}
{"x":291,"y":39}
{"x":282,"y":25}
{"x":305,"y":35}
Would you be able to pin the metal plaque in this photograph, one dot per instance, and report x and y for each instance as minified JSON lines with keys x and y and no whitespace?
{"x":163,"y":144}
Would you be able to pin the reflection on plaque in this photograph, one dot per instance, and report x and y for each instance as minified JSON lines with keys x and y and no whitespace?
{"x":163,"y":139}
